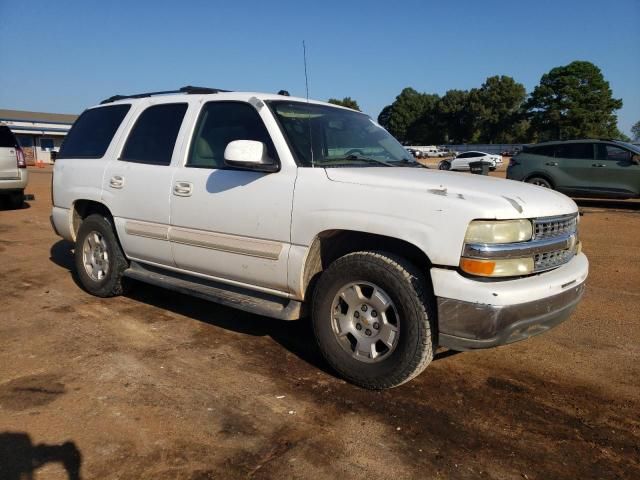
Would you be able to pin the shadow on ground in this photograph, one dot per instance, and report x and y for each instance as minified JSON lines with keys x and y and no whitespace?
{"x":20,"y":458}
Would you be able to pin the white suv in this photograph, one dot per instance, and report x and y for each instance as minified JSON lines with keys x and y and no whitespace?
{"x":13,"y":168}
{"x":287,"y":207}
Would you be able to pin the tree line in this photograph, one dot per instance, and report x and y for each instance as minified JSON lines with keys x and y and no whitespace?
{"x":571,"y":101}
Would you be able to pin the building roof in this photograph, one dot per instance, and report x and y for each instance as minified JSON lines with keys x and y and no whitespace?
{"x":24,"y":116}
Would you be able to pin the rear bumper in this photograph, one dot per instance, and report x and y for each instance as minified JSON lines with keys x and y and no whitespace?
{"x":469,"y":326}
{"x":15,"y":184}
{"x":474,"y":314}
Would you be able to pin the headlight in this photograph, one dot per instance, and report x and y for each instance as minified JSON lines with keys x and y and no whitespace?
{"x":499,"y":231}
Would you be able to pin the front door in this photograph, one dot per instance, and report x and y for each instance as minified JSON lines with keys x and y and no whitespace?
{"x":231,"y":224}
{"x":617,"y":173}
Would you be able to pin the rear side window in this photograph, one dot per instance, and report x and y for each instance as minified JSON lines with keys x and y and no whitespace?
{"x":7,"y":140}
{"x":575,"y":151}
{"x":92,"y":133}
{"x":221,"y":123}
{"x":153,"y":137}
{"x":545,"y":150}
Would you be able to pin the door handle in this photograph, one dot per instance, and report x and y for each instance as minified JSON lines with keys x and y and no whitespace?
{"x":552,"y":164}
{"x":598,"y":165}
{"x":183,"y":189}
{"x":116,"y":181}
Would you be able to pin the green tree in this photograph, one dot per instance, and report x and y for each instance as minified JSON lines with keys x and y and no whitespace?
{"x":573,"y":101}
{"x":497,"y":106}
{"x":345,"y":102}
{"x":385,"y":115}
{"x":407,"y":108}
{"x":635,"y":130}
{"x":455,"y":118}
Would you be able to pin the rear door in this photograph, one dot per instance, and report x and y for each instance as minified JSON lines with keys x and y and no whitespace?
{"x":616,"y":172}
{"x":574,"y":171}
{"x":137,"y":181}
{"x":8,"y":157}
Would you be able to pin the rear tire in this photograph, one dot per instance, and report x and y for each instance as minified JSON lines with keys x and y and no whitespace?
{"x":370,"y":349}
{"x":99,"y":259}
{"x":540,"y":181}
{"x":16,"y":200}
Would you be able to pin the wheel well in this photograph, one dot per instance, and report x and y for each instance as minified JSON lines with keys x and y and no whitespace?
{"x":83,"y":208}
{"x":540,"y":175}
{"x":330,"y":245}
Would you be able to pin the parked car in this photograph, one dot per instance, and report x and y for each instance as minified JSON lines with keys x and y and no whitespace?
{"x":585,"y":168}
{"x":414,"y":152}
{"x":263,"y":203}
{"x":13,"y":168}
{"x":462,"y":161}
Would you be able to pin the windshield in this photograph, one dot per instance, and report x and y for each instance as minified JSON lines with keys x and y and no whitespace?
{"x":324,"y":136}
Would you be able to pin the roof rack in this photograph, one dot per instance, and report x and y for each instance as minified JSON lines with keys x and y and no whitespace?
{"x":191,"y":90}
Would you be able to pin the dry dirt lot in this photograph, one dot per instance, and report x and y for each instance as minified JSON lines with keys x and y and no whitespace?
{"x":157,"y":385}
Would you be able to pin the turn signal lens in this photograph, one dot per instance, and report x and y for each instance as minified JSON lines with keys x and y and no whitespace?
{"x":499,"y":231}
{"x":511,"y":267}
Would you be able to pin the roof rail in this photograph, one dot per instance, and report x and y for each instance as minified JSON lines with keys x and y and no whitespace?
{"x":188,"y":90}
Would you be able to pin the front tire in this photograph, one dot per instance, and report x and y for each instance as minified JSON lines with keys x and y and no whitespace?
{"x":444,"y":165}
{"x":371,"y":316}
{"x":99,"y":259}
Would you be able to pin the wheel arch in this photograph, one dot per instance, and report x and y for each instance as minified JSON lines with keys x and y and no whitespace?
{"x":82,"y":208}
{"x":329,"y":245}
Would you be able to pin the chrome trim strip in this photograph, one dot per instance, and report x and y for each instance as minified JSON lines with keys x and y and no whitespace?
{"x":226,"y":243}
{"x":148,"y":230}
{"x":518,"y":250}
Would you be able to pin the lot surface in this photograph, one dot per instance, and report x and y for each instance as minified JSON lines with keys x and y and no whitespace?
{"x":157,"y":385}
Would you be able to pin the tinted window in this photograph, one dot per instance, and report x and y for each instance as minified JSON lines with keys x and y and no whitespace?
{"x":611,"y":152}
{"x":6,"y":137}
{"x":465,"y":155}
{"x":221,"y":123}
{"x":545,"y":150}
{"x":575,"y":150}
{"x":154,"y":135}
{"x":91,"y":134}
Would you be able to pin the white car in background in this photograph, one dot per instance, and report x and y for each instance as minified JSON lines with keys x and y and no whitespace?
{"x":462,"y":161}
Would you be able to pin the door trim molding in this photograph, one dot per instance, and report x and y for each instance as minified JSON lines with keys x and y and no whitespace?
{"x":253,"y":247}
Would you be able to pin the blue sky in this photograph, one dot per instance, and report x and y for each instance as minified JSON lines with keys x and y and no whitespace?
{"x":64,"y":56}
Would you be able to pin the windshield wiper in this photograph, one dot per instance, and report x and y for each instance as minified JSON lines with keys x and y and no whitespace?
{"x":408,"y":162}
{"x":366,"y":159}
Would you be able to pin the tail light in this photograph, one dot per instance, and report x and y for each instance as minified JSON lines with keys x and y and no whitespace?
{"x":22,"y":163}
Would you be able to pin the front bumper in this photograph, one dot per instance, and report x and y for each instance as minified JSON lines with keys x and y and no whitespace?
{"x":474,"y":314}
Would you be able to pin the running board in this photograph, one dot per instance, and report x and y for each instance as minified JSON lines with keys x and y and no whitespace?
{"x":229,"y":295}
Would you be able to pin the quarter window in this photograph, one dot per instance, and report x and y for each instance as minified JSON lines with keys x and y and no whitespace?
{"x":153,"y":137}
{"x":93,"y":131}
{"x":221,"y":123}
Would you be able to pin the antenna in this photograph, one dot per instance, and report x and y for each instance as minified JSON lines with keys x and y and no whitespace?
{"x":306,"y":84}
{"x":306,"y":78}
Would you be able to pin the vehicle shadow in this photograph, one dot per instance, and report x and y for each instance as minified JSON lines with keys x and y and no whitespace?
{"x":603,"y":203}
{"x":20,"y":458}
{"x":295,"y":336}
{"x":5,"y":205}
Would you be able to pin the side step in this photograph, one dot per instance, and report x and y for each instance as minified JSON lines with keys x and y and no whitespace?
{"x":229,"y":295}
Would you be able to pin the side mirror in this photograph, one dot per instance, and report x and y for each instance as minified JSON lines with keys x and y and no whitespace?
{"x":249,"y":155}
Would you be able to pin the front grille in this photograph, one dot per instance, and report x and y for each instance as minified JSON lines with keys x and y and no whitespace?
{"x":549,"y":227}
{"x":553,"y":227}
{"x":549,"y":260}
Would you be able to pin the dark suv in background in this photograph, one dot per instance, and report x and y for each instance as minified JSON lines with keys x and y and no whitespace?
{"x":581,"y":168}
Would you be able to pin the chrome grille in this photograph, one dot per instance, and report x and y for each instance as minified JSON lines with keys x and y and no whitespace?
{"x":553,"y":227}
{"x":549,"y":227}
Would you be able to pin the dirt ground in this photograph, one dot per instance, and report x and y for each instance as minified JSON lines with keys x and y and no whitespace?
{"x":157,"y":385}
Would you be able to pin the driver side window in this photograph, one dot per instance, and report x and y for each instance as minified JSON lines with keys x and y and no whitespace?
{"x":219,"y":124}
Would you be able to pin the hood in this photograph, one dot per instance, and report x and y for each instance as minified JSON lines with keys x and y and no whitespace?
{"x":491,"y":197}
